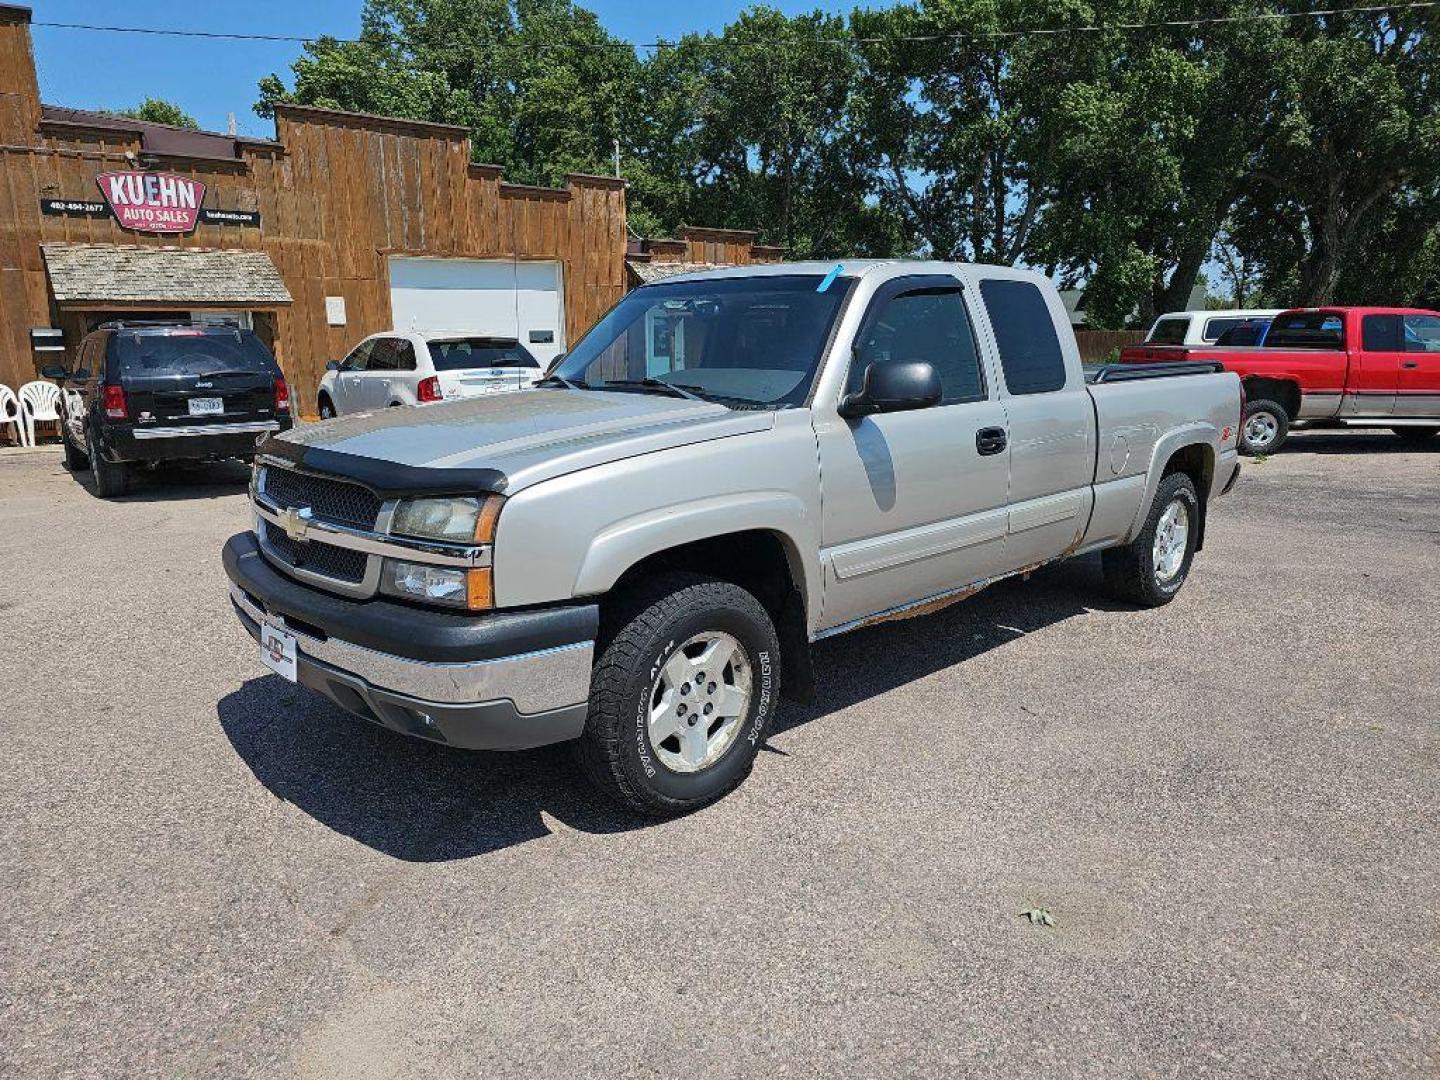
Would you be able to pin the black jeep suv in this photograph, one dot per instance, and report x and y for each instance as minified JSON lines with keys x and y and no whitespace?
{"x":145,"y":393}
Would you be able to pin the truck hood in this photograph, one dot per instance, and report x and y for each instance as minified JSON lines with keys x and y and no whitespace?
{"x":529,"y":435}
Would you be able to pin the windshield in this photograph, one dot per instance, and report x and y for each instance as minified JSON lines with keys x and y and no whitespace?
{"x":749,"y":341}
{"x":1168,"y":332}
{"x":190,"y":352}
{"x":461,"y":354}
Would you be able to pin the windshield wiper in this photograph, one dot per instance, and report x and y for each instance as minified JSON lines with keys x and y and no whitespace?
{"x":561,"y":380}
{"x":653,"y":384}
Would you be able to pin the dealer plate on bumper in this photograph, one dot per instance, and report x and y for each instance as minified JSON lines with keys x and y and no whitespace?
{"x":207,"y":406}
{"x":277,"y":650}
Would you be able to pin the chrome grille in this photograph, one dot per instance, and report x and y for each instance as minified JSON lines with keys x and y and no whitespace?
{"x":332,"y":500}
{"x":339,"y":563}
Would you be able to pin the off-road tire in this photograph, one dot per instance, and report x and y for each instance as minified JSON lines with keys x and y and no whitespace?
{"x":1415,"y":436}
{"x":615,"y":751}
{"x":1282,"y":427}
{"x":1130,"y":573}
{"x":111,"y":479}
{"x":76,"y":460}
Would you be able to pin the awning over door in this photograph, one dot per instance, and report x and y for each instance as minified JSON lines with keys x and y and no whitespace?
{"x":647,"y":272}
{"x":107,"y":274}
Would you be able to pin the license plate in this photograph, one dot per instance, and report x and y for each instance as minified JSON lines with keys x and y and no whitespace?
{"x":277,"y":650}
{"x":206,"y":406}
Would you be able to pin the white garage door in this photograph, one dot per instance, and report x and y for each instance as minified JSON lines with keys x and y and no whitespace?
{"x":487,"y":296}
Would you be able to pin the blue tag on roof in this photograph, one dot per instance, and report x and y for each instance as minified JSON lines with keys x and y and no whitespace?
{"x":830,"y":278}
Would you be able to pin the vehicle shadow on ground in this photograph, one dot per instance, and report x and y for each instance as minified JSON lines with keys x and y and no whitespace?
{"x":175,"y":483}
{"x":423,"y":802}
{"x":1358,"y":442}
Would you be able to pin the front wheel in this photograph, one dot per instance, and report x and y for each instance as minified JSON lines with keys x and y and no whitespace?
{"x":681,"y":695}
{"x":327,"y":409}
{"x":1264,"y":428}
{"x":76,"y":460}
{"x":1150,"y":570}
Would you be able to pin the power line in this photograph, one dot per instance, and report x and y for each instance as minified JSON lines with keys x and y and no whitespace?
{"x":711,"y":41}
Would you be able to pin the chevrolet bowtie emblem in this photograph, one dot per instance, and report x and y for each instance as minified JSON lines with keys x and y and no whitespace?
{"x":296,"y":522}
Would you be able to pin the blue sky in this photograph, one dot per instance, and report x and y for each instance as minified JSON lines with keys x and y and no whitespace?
{"x":209,"y":79}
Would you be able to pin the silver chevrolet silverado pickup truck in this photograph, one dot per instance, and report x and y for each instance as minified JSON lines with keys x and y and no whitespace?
{"x":637,"y":554}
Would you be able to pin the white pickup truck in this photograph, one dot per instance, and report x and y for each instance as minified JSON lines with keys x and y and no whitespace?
{"x":731,"y":465}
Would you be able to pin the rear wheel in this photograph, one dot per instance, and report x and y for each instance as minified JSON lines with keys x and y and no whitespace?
{"x":1264,"y":428}
{"x":111,"y":479}
{"x":1415,"y":435}
{"x":681,"y":695}
{"x":1150,"y":570}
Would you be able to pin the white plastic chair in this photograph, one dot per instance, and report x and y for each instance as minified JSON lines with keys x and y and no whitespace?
{"x":10,"y":413}
{"x":39,"y":401}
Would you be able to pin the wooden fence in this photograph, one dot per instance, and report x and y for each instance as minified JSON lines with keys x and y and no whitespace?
{"x":1095,"y":345}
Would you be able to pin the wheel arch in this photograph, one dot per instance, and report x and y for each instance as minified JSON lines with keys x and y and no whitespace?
{"x":1191,"y":450}
{"x":1281,"y":389}
{"x":758,"y":545}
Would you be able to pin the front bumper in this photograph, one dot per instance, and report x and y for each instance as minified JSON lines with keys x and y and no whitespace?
{"x":506,"y":681}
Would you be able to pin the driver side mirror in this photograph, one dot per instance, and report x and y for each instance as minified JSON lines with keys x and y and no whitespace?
{"x":55,"y":373}
{"x":332,"y":365}
{"x":893,"y":388}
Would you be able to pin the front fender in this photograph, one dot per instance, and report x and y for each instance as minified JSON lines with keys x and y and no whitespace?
{"x":626,"y":542}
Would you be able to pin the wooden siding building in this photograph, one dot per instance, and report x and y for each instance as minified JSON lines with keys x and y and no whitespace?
{"x":341,"y":209}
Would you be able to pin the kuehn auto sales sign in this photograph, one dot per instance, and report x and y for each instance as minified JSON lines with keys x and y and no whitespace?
{"x":153,"y":202}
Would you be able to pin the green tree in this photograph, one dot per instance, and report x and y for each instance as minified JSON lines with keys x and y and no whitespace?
{"x":157,"y":111}
{"x":1345,"y":188}
{"x":540,"y":83}
{"x":1152,"y":152}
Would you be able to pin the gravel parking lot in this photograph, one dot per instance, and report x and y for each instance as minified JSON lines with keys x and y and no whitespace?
{"x":1230,"y":805}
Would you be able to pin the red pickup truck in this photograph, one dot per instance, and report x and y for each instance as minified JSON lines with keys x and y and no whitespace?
{"x":1363,"y":366}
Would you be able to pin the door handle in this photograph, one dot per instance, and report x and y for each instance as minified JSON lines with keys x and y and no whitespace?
{"x":1410,"y":364}
{"x":989,"y":440}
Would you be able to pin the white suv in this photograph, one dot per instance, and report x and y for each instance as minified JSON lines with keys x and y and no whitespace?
{"x":413,"y":368}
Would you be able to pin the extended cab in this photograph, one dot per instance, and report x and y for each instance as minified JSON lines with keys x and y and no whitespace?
{"x":145,"y":393}
{"x":729,"y":466}
{"x":1363,"y":366}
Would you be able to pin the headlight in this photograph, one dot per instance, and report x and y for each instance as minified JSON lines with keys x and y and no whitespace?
{"x":469,"y":589}
{"x":467,"y":521}
{"x":457,"y":521}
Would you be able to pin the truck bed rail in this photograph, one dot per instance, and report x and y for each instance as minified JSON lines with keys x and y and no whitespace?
{"x":1160,"y":369}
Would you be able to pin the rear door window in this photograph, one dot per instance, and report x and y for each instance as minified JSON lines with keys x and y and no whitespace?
{"x":1306,"y":330}
{"x":1025,"y":333}
{"x":190,"y":352}
{"x":464,"y":354}
{"x":1169,"y":332}
{"x":1381,"y":333}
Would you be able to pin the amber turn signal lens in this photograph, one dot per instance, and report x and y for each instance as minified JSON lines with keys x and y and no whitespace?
{"x":487,"y":517}
{"x":479,"y":590}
